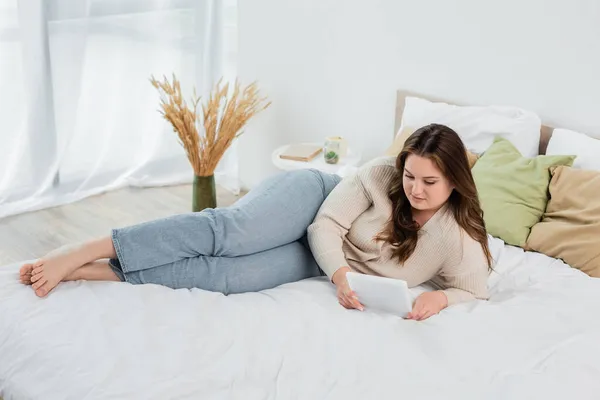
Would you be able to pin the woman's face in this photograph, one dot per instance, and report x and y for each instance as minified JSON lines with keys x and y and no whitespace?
{"x":425,"y":186}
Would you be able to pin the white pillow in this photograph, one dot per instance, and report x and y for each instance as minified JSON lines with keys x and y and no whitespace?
{"x":566,"y":142}
{"x":477,"y":126}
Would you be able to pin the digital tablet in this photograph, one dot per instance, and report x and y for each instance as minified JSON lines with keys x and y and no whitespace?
{"x":381,"y":294}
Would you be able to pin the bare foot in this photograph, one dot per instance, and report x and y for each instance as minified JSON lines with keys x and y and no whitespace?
{"x":50,"y":270}
{"x":57,"y":265}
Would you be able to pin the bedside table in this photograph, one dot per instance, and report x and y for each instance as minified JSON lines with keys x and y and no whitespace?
{"x":345,"y":166}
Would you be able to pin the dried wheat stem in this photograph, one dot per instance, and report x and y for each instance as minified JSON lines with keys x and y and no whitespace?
{"x":222,"y":119}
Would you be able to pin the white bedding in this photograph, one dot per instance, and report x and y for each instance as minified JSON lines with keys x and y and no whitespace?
{"x":537,"y":338}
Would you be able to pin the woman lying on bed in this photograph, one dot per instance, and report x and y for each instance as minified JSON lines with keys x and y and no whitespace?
{"x":414,"y":217}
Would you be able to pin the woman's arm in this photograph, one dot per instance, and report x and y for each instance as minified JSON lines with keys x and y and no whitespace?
{"x":344,"y":204}
{"x":466,"y":279}
{"x":458,"y":281}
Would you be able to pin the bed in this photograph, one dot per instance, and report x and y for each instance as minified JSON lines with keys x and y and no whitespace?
{"x":536,"y":338}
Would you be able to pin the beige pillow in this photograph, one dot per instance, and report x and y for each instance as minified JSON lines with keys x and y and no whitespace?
{"x":396,"y":147}
{"x":570,"y":227}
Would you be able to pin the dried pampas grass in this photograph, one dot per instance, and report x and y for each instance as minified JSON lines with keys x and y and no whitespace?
{"x":222,"y":119}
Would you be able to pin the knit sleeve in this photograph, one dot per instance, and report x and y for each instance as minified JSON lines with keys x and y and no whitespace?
{"x":345,"y":203}
{"x":466,"y":279}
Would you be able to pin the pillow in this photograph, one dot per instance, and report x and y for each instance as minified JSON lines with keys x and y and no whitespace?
{"x":477,"y":126}
{"x":396,"y":147}
{"x":570,"y":227}
{"x":587,"y":149}
{"x":513,"y":190}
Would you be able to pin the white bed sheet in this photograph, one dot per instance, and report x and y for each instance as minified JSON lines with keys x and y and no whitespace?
{"x":537,"y":338}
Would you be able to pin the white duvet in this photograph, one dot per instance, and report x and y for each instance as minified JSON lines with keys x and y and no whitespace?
{"x":537,"y":338}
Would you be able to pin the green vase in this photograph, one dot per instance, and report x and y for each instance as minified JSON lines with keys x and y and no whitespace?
{"x":204,"y":194}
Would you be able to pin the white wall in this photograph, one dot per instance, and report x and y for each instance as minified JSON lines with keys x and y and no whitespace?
{"x":332,"y":66}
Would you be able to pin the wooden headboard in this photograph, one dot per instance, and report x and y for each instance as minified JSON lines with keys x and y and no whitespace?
{"x":401,"y":95}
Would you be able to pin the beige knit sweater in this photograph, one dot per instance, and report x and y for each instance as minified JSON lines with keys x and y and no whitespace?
{"x":358,"y":209}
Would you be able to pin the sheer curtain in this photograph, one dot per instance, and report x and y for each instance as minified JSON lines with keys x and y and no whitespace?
{"x":78,"y":115}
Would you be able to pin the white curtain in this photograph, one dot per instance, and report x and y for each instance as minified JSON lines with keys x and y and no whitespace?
{"x":78,"y":115}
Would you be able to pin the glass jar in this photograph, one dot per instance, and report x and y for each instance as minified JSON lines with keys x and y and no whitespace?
{"x":335,"y":148}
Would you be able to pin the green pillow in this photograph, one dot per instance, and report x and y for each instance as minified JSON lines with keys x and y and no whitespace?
{"x":513,"y":190}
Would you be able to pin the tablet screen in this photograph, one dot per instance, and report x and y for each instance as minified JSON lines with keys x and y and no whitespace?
{"x":381,"y":294}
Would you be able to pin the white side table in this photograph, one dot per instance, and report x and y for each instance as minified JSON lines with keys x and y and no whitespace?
{"x":345,"y":166}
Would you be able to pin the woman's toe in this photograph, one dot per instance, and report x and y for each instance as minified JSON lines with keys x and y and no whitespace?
{"x":25,"y":269}
{"x":41,"y":292}
{"x":39,"y":284}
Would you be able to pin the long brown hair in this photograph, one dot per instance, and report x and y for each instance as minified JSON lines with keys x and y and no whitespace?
{"x":444,"y":147}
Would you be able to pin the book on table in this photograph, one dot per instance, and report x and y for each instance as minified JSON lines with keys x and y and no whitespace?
{"x":301,"y":152}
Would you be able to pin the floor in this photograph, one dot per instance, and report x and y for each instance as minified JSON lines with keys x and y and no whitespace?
{"x":31,"y":235}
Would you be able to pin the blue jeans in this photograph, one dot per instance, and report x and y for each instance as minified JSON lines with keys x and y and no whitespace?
{"x":257,"y":243}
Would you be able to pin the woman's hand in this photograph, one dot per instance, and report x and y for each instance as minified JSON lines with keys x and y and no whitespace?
{"x":346,"y":297}
{"x":428,"y":304}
